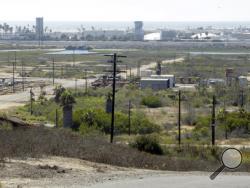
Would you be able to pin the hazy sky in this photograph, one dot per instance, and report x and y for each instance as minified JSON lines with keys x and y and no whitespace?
{"x":126,"y":10}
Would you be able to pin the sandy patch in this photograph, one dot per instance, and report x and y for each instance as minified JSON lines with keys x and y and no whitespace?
{"x":62,"y":172}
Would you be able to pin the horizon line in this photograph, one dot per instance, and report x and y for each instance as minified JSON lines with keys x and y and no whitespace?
{"x":197,"y":21}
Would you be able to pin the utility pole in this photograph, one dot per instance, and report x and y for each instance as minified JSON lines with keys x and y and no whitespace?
{"x":13,"y":76}
{"x":126,"y":71}
{"x":8,"y":57}
{"x":138,"y":69}
{"x":129,"y":117}
{"x":61,"y":71}
{"x":31,"y":101}
{"x":15,"y":59}
{"x":213,"y":121}
{"x":22,"y":76}
{"x":53,"y":69}
{"x":242,"y":99}
{"x":179,"y":119}
{"x":56,"y":119}
{"x":76,"y":85}
{"x":113,"y":98}
{"x":86,"y":81}
{"x":114,"y":61}
{"x":224,"y":114}
{"x":74,"y":58}
{"x":130,"y":74}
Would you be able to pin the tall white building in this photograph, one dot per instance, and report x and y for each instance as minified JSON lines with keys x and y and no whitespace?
{"x":139,"y":33}
{"x":39,"y":28}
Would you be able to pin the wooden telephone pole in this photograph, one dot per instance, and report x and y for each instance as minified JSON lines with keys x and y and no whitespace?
{"x":53,"y":69}
{"x":242,"y":98}
{"x":56,"y":119}
{"x":114,"y":61}
{"x":129,"y":117}
{"x":86,"y":81}
{"x":13,"y":73}
{"x":213,"y":121}
{"x":22,"y":76}
{"x":76,"y":86}
{"x":179,"y":118}
{"x":31,"y":101}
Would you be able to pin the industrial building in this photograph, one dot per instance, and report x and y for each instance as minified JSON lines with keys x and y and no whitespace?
{"x":155,"y":83}
{"x":139,"y":33}
{"x":165,"y":35}
{"x":158,"y":82}
{"x":153,"y":36}
{"x":243,"y":82}
{"x":170,"y":77}
{"x":216,"y":81}
{"x":39,"y":28}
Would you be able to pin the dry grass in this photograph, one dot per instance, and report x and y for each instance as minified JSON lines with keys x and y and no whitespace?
{"x":40,"y":142}
{"x":161,"y":115}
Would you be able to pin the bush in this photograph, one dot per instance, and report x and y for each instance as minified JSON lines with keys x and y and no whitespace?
{"x":141,"y":125}
{"x":6,"y":126}
{"x":99,"y":119}
{"x":92,"y":119}
{"x":148,"y":143}
{"x":86,"y":130}
{"x":151,"y":101}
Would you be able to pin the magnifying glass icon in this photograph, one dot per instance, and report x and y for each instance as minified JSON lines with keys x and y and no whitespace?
{"x":231,"y":158}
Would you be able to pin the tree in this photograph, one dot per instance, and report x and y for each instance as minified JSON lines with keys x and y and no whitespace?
{"x":66,"y":100}
{"x":42,"y":97}
{"x":58,"y":91}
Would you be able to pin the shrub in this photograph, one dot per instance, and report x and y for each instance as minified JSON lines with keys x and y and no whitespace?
{"x":92,"y":119}
{"x":22,"y":143}
{"x":151,"y":101}
{"x":148,"y":143}
{"x":141,"y":125}
{"x":98,"y":118}
{"x":6,"y":126}
{"x":86,"y":130}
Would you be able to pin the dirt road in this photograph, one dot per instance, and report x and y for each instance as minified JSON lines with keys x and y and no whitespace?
{"x":153,"y":64}
{"x":181,"y":180}
{"x":69,"y":172}
{"x":20,"y":98}
{"x":62,"y":172}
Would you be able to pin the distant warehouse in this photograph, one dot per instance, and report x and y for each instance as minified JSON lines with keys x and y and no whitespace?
{"x":158,"y":82}
{"x":166,"y":76}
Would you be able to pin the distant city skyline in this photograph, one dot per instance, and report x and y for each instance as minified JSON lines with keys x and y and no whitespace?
{"x":126,"y":10}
